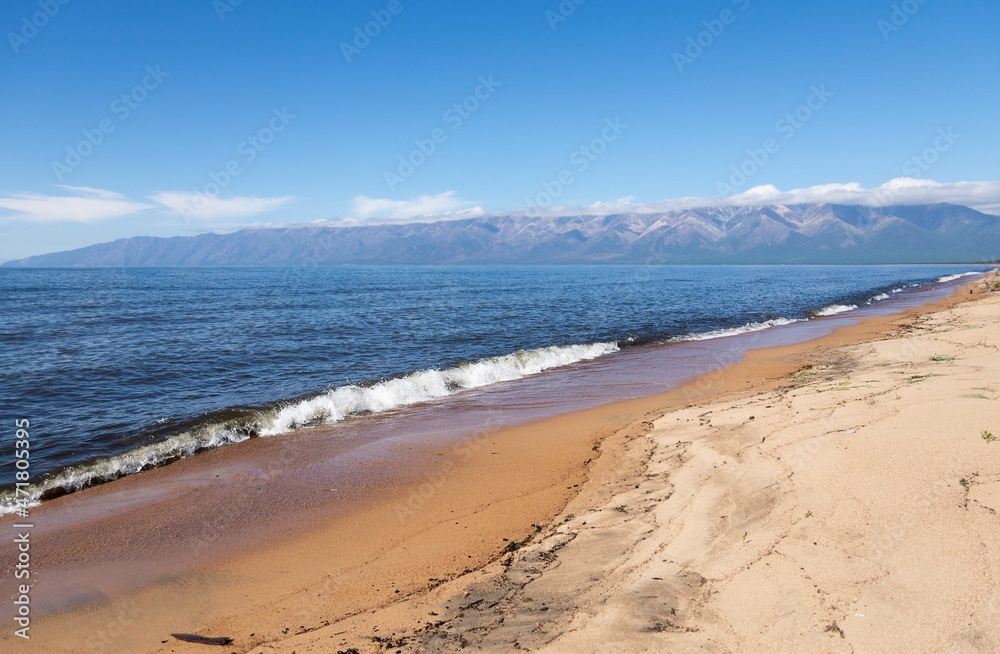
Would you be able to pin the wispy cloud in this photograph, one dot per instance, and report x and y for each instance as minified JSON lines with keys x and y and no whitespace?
{"x":210,"y":207}
{"x":983,"y":196}
{"x":82,"y":205}
{"x":439,"y":207}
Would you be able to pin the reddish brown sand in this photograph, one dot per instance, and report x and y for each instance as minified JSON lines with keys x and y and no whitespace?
{"x":318,"y":569}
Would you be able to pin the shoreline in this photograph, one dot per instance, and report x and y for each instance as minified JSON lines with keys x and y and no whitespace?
{"x":635,"y":562}
{"x":263,"y":420}
{"x":483,"y":484}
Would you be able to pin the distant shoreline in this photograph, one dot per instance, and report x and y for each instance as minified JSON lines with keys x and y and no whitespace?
{"x":813,"y":233}
{"x":526,"y":265}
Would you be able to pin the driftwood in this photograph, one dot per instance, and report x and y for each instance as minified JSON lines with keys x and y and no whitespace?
{"x":203,"y":640}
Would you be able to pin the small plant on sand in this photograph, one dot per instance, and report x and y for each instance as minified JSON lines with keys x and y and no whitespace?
{"x":809,"y":514}
{"x":985,"y":393}
{"x":745,"y":534}
{"x":988,"y":436}
{"x":942,"y":357}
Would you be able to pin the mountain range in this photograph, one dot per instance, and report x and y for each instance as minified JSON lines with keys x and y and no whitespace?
{"x":801,"y":233}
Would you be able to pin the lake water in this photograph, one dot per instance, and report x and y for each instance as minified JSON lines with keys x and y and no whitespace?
{"x":119,"y":370}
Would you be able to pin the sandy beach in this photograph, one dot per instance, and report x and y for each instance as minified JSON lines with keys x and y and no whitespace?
{"x":834,"y":495}
{"x":564,"y":327}
{"x":848,"y":506}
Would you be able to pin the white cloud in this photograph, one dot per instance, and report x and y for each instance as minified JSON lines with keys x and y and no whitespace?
{"x":983,"y":196}
{"x":209,"y":207}
{"x":438,"y":207}
{"x":90,"y":205}
{"x":92,"y":192}
{"x":82,"y":205}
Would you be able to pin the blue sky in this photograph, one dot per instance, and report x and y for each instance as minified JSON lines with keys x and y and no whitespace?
{"x":560,"y":105}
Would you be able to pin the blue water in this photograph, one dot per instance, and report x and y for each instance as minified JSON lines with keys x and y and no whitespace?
{"x":104,"y":361}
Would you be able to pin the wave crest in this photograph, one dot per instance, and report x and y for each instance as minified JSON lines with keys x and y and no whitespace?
{"x":333,"y":406}
{"x":951,"y":278}
{"x":425,"y":385}
{"x":733,"y":331}
{"x":834,"y":309}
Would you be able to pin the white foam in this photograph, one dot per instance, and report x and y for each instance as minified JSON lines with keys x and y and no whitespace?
{"x":834,"y":309}
{"x":346,"y":401}
{"x":81,"y":476}
{"x":879,"y":298}
{"x":733,"y":331}
{"x":951,"y":278}
{"x":333,"y":406}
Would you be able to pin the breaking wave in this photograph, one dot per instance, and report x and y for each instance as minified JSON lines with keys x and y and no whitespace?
{"x":425,"y":385}
{"x":333,"y":406}
{"x":951,"y":278}
{"x":834,"y":309}
{"x":733,"y":331}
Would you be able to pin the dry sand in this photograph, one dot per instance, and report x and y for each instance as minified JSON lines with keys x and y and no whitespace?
{"x":830,"y":496}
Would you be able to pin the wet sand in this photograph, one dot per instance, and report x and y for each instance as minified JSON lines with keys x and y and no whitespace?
{"x":122,"y":566}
